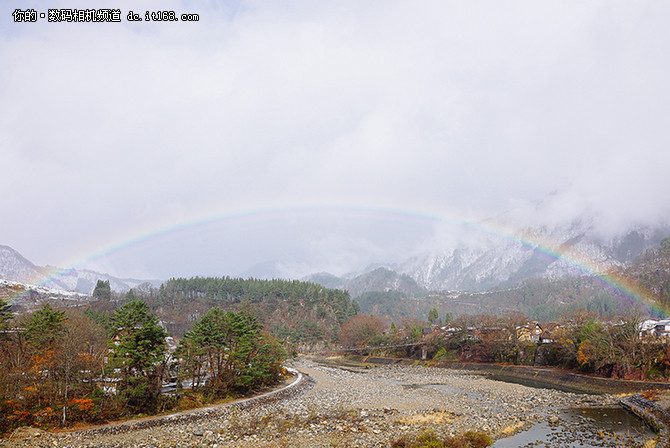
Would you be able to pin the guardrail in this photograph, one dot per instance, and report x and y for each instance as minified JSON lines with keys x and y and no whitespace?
{"x":358,"y":349}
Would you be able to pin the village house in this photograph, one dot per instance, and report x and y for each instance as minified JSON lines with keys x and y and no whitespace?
{"x":646,"y":327}
{"x":529,"y":333}
{"x":655,"y":328}
{"x":535,"y":333}
{"x":662,"y":328}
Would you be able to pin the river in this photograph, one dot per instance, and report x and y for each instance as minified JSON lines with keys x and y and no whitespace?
{"x":573,"y":427}
{"x":557,"y":426}
{"x":580,"y":427}
{"x":583,"y":428}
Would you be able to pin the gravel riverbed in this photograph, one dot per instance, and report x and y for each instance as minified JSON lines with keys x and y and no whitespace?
{"x":352,"y":407}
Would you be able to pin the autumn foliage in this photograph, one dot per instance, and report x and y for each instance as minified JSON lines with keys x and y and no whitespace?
{"x":61,"y":367}
{"x":362,"y":330}
{"x":49,"y":361}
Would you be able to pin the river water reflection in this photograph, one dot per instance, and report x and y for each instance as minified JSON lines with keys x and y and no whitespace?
{"x":573,"y":428}
{"x":570,"y":428}
{"x":579,"y":428}
{"x":584,"y":428}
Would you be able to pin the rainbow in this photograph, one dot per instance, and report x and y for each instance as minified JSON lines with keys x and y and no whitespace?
{"x":161,"y":233}
{"x":580,"y":262}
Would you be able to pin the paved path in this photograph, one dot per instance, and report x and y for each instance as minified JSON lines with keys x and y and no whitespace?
{"x":346,"y":407}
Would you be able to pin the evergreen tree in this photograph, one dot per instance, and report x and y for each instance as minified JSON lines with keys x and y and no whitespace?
{"x":234,"y":349}
{"x":432,"y":315}
{"x":131,"y":296}
{"x":45,"y":327}
{"x":139,"y":341}
{"x":5,"y":314}
{"x":393,"y":332}
{"x":138,"y":349}
{"x":100,"y":318}
{"x":45,"y":334}
{"x":102,"y":291}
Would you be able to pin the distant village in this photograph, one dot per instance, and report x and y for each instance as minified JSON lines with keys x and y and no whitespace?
{"x":535,"y":332}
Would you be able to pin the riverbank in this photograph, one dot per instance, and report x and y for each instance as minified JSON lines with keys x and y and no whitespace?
{"x":32,"y":436}
{"x":541,"y":376}
{"x":653,"y":407}
{"x":357,"y":407}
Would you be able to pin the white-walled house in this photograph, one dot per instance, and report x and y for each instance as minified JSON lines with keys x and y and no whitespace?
{"x":647,"y":327}
{"x":655,"y":327}
{"x":662,"y":328}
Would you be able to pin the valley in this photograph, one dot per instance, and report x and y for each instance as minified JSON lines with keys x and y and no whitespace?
{"x":591,"y":323}
{"x":383,"y":201}
{"x":376,"y":406}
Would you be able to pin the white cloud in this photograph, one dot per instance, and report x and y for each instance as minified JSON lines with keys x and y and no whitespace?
{"x":113,"y":129}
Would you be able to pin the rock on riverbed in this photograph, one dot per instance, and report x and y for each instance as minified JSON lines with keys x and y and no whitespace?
{"x":354,"y":407}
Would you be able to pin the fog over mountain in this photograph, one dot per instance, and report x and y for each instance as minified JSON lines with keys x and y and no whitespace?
{"x":536,"y":239}
{"x":474,"y":256}
{"x":286,"y":139}
{"x":500,"y":251}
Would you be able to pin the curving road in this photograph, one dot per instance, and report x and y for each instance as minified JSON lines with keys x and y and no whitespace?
{"x":328,"y":406}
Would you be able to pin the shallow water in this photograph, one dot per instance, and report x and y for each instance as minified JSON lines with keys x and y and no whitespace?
{"x":584,"y":428}
{"x":535,"y":383}
{"x":576,"y":428}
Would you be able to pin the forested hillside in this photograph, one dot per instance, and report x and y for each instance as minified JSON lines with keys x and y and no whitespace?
{"x":539,"y":299}
{"x":651,"y":271}
{"x":299,"y":312}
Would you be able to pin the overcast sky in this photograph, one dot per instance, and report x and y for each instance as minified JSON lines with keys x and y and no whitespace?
{"x":323,"y":135}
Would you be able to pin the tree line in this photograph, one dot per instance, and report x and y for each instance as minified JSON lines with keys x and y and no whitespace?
{"x":613,"y":348}
{"x":302,"y":313}
{"x":60,"y":367}
{"x":581,"y":341}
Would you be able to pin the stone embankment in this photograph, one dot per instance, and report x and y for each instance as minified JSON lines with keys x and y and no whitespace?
{"x":653,"y":411}
{"x":354,"y":407}
{"x":540,"y":376}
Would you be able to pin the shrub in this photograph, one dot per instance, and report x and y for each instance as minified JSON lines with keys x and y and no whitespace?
{"x":441,"y":353}
{"x":428,"y":439}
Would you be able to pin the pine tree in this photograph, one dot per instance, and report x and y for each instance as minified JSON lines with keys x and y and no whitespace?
{"x":45,"y":327}
{"x":237,"y":353}
{"x":5,"y":314}
{"x":103,"y":291}
{"x":432,"y":315}
{"x":138,"y":349}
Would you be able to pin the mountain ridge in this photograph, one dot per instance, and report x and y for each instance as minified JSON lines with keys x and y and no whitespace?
{"x":496,"y":253}
{"x":15,"y":267}
{"x":502,"y":263}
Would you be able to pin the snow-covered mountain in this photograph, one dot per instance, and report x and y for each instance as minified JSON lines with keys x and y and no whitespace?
{"x":377,"y":279}
{"x":501,"y":263}
{"x":533,"y":240}
{"x":30,"y":297}
{"x":84,"y":280}
{"x":15,"y":267}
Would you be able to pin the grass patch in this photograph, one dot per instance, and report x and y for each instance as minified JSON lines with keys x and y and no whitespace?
{"x":428,"y":439}
{"x":432,"y":418}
